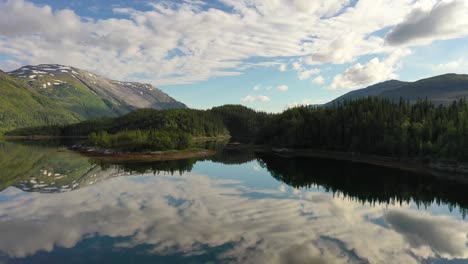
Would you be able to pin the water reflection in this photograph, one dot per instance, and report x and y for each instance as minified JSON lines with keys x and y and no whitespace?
{"x":368,"y":184}
{"x":49,"y":169}
{"x":192,"y":215}
{"x":188,"y":211}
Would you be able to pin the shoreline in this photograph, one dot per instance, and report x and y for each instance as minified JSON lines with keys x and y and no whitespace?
{"x":39,"y":137}
{"x":444,"y":169}
{"x":203,"y":139}
{"x":43,"y":137}
{"x":108,"y":155}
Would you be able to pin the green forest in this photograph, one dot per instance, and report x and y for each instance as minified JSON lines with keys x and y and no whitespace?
{"x":369,"y":125}
{"x":22,"y":106}
{"x":141,"y":130}
{"x":140,"y":140}
{"x":196,"y":123}
{"x":374,"y":126}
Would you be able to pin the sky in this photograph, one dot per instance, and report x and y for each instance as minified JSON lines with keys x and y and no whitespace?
{"x":265,"y":54}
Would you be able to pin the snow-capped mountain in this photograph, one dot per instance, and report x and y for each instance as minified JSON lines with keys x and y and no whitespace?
{"x":92,"y":95}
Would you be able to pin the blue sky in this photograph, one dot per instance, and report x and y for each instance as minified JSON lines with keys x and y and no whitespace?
{"x":268,"y":55}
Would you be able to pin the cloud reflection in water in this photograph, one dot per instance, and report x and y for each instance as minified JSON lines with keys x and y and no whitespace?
{"x":191,"y":214}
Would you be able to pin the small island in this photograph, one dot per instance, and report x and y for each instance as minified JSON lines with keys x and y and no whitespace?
{"x":143,"y":145}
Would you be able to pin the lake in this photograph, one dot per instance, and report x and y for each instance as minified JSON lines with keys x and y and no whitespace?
{"x":57,"y":206}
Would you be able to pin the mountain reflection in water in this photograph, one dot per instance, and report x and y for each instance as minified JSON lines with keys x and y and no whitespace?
{"x":225,"y":208}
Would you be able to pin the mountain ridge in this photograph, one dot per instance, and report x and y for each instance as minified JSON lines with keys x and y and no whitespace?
{"x":70,"y":95}
{"x":117,"y":95}
{"x":440,"y":89}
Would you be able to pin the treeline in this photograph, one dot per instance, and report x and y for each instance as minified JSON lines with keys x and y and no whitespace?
{"x":140,"y":140}
{"x":11,"y":120}
{"x":196,"y":123}
{"x":242,"y":122}
{"x":369,"y":125}
{"x":141,"y":130}
{"x":235,"y":120}
{"x":375,"y":126}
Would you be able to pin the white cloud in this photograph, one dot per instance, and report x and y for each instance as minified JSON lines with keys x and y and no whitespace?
{"x":297,"y":66}
{"x":192,"y":41}
{"x":318,"y":80}
{"x":376,"y":70}
{"x":455,"y":66}
{"x":255,"y":98}
{"x":283,"y":67}
{"x":282,"y":88}
{"x":306,"y":74}
{"x":257,"y":87}
{"x":444,"y":20}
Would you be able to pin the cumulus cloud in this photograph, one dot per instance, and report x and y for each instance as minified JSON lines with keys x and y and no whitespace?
{"x":306,"y":74}
{"x":376,"y":70}
{"x":191,"y":41}
{"x":255,"y":98}
{"x":297,"y":66}
{"x":318,"y":80}
{"x":282,"y":88}
{"x":257,"y":87}
{"x":283,"y":67}
{"x":445,"y":20}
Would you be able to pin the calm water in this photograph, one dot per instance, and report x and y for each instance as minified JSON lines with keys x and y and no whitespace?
{"x":236,"y":207}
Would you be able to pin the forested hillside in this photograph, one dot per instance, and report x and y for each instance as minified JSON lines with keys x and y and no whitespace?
{"x":442,"y":89}
{"x":51,"y":94}
{"x":21,"y":106}
{"x":373,"y":90}
{"x":375,"y":126}
{"x":242,"y":122}
{"x":143,"y":129}
{"x":234,"y":119}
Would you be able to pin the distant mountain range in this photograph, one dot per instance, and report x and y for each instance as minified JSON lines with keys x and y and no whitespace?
{"x":56,"y":94}
{"x":442,"y":89}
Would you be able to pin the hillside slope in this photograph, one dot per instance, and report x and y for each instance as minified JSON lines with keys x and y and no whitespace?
{"x":90,"y":95}
{"x":442,"y":89}
{"x":373,"y":90}
{"x":22,"y":106}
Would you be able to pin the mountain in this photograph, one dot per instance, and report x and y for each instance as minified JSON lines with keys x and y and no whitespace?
{"x":21,"y":105}
{"x":90,"y":95}
{"x":442,"y":89}
{"x":50,"y":94}
{"x":373,"y":90}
